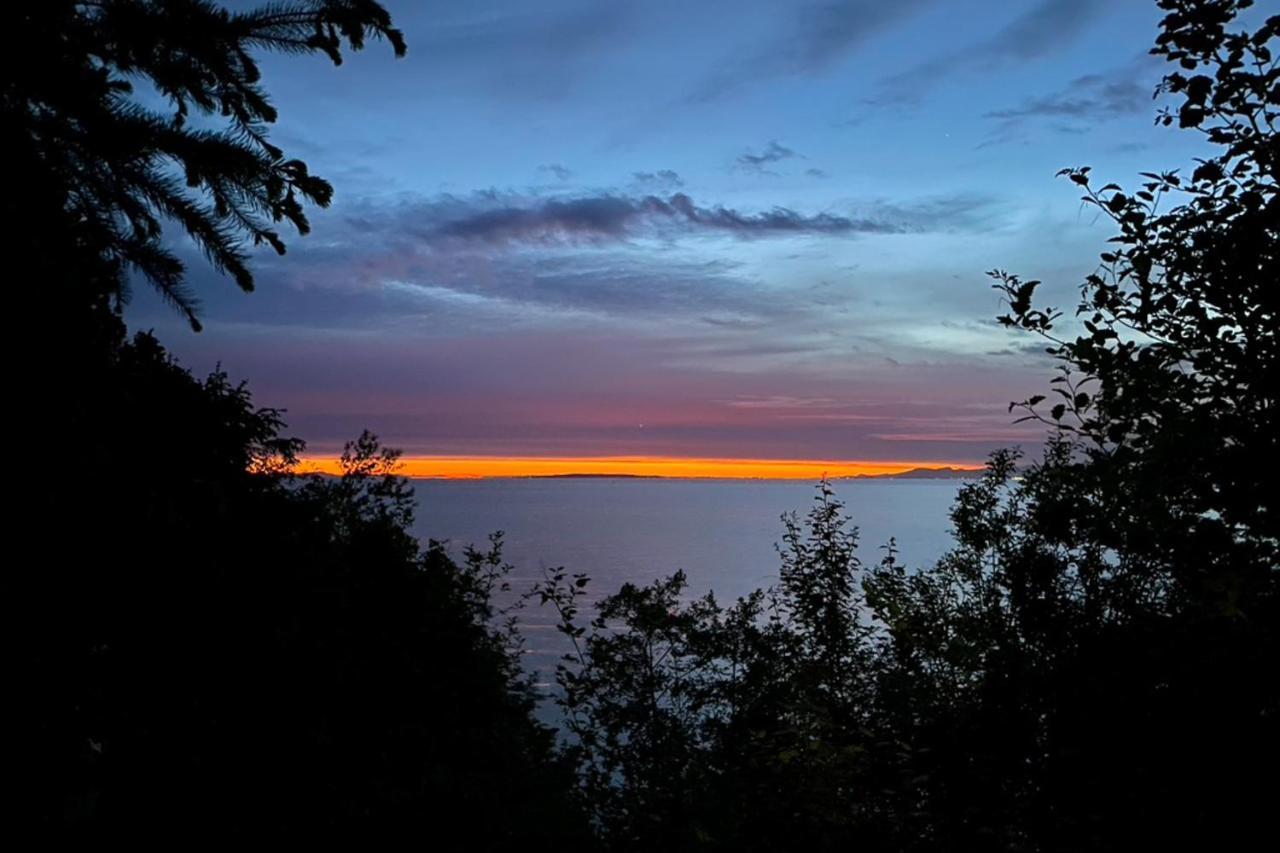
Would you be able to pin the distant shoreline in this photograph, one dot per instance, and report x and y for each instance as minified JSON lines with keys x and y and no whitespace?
{"x":660,"y":468}
{"x":590,"y":477}
{"x":913,"y":474}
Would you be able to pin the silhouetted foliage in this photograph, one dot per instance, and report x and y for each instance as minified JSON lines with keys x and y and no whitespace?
{"x":1092,"y":667}
{"x":1171,"y":390}
{"x":212,"y":647}
{"x":98,"y":170}
{"x":742,"y":727}
{"x":223,"y":649}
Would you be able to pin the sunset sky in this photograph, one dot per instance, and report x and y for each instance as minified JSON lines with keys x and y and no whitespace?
{"x":741,"y":230}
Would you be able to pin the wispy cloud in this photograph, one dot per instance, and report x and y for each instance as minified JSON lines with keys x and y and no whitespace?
{"x":780,"y":402}
{"x":537,"y":53}
{"x":560,"y":173}
{"x":393,"y":281}
{"x":1048,"y":26}
{"x":615,"y":217}
{"x":663,"y":179}
{"x":820,"y":35}
{"x":1090,"y":97}
{"x":494,"y":258}
{"x":772,"y":153}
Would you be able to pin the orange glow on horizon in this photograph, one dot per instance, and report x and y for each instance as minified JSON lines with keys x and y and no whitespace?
{"x":482,"y":467}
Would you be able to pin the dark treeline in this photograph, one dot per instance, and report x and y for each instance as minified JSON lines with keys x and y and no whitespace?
{"x":1094,"y":665}
{"x":213,"y":646}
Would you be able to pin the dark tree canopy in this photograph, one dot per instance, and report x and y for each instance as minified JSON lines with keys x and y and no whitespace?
{"x":101,"y":170}
{"x":219,"y":651}
{"x":210,"y":647}
{"x":1092,"y":666}
{"x":1170,"y":392}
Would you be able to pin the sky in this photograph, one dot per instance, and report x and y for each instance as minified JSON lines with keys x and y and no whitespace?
{"x":731,"y":230}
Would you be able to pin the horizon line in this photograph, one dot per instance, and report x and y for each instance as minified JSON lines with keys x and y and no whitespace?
{"x":459,"y":467}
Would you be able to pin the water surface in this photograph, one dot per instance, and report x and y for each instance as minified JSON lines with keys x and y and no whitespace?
{"x":721,"y":532}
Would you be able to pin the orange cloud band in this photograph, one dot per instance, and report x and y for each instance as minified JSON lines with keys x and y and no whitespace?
{"x":476,"y":467}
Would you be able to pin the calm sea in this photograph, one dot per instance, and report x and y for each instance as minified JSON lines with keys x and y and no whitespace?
{"x":721,"y":532}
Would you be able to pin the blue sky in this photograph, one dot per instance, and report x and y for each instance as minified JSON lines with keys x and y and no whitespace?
{"x":749,"y":229}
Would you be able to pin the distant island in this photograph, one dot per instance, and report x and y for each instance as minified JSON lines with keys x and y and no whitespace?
{"x":597,"y":477}
{"x":947,"y":473}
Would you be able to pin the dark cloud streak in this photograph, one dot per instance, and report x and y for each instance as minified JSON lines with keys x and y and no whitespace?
{"x":822,"y":34}
{"x":611,"y":218}
{"x":665,"y":179}
{"x":1092,"y":97}
{"x":1047,"y":27}
{"x":772,"y":153}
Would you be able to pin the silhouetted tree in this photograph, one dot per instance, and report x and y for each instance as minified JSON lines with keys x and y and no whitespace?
{"x":216,"y":648}
{"x":747,"y":727}
{"x":1170,"y":392}
{"x":1092,"y":666}
{"x":97,"y":171}
{"x":209,"y":647}
{"x":1087,"y":670}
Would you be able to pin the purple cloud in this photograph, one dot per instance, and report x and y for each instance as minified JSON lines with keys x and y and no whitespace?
{"x":612,"y":218}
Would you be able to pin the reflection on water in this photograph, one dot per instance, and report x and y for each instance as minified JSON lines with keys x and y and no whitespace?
{"x":721,"y":532}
